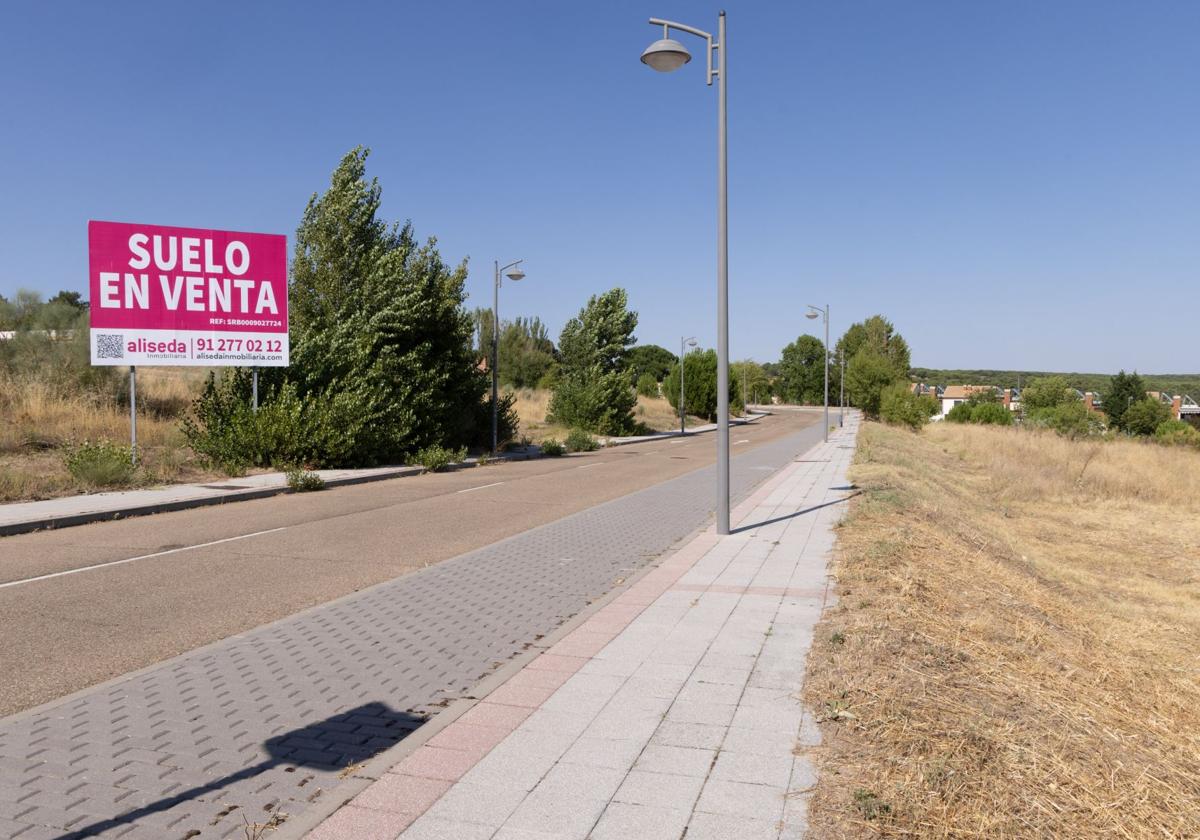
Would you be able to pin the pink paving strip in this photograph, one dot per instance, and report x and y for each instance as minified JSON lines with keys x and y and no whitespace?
{"x":495,"y":716}
{"x":470,"y":738}
{"x":410,"y":788}
{"x":351,"y":822}
{"x":436,"y":763}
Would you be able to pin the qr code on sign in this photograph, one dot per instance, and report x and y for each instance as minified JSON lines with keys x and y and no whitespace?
{"x":110,"y":346}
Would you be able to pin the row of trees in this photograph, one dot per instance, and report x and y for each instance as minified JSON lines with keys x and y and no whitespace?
{"x":875,"y":355}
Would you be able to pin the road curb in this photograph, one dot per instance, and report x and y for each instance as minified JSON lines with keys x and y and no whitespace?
{"x":68,"y":520}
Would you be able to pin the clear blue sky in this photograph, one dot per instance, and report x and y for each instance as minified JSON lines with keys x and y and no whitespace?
{"x":1014,"y":184}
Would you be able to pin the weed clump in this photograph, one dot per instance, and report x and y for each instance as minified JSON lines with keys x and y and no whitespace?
{"x":437,"y":458}
{"x":580,"y":441}
{"x":101,"y":464}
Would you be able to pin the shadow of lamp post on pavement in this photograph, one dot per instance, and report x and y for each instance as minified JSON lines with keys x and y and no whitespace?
{"x":336,"y":743}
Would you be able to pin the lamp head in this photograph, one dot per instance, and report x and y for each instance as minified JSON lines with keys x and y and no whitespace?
{"x":810,"y":315}
{"x":515,"y":274}
{"x":665,"y":55}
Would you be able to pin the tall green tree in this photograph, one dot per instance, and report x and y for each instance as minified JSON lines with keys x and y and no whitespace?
{"x":751,"y":381}
{"x":526,"y":352}
{"x":867,"y":375}
{"x":593,"y":390}
{"x":699,"y":385}
{"x":1123,"y":390}
{"x":380,"y":341}
{"x":879,"y":335}
{"x":652,"y":359}
{"x":802,"y":371}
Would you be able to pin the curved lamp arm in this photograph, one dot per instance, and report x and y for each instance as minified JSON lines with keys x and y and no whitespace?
{"x":668,"y":25}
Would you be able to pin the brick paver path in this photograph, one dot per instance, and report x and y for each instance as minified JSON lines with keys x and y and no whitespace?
{"x":672,"y":709}
{"x":264,"y":722}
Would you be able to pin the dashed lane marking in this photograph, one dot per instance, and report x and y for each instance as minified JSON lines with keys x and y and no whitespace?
{"x":480,"y":487}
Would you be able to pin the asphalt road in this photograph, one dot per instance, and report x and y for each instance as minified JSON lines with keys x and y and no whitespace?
{"x":161,"y":585}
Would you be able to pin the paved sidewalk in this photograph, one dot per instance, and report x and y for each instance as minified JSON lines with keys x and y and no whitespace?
{"x":22,"y":517}
{"x":674,"y":707}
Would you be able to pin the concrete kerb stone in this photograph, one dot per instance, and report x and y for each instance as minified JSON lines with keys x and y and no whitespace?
{"x":673,"y":563}
{"x":51,"y":522}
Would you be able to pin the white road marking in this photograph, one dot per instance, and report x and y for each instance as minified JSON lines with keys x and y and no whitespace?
{"x":585,"y":466}
{"x":681,"y":440}
{"x":480,"y":487}
{"x":140,"y":557}
{"x":743,"y":440}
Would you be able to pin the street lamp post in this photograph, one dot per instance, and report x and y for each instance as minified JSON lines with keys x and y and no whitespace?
{"x":818,"y":312}
{"x":842,"y":382}
{"x":684,"y":343}
{"x":514,"y":275}
{"x":664,"y":56}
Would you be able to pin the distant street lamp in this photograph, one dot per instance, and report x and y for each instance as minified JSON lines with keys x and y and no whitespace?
{"x":818,"y":312}
{"x":665,"y":55}
{"x":683,"y":344}
{"x":514,"y":275}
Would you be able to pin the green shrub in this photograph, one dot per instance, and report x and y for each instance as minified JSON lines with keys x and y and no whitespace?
{"x":1070,"y":419}
{"x":991,"y":414}
{"x":580,"y":441}
{"x":1145,"y":416}
{"x":553,"y":448}
{"x":436,"y":458}
{"x":1177,"y":433}
{"x":101,"y":464}
{"x":899,"y":406}
{"x":304,"y":481}
{"x":960,"y":413}
{"x":508,"y":424}
{"x":647,"y":385}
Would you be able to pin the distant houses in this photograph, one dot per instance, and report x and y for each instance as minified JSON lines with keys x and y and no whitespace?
{"x":1182,"y":406}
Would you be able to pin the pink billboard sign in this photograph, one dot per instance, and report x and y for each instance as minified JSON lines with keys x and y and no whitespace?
{"x":186,"y":296}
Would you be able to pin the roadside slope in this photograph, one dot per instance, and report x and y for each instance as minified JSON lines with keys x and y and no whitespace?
{"x":1014,"y":651}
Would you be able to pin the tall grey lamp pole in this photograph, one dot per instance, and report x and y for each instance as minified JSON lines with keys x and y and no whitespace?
{"x":514,"y":275}
{"x":842,"y":382}
{"x":818,"y":312}
{"x":684,"y":343}
{"x":664,"y":56}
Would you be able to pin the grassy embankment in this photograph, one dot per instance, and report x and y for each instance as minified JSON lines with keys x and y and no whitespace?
{"x":41,"y":418}
{"x":1014,"y":652}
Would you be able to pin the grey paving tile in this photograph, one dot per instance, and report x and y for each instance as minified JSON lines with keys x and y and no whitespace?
{"x":724,"y":827}
{"x":739,"y":799}
{"x":664,"y":789}
{"x":484,"y":804}
{"x":684,"y":761}
{"x":771,"y":770}
{"x":622,"y":821}
{"x":696,"y":735}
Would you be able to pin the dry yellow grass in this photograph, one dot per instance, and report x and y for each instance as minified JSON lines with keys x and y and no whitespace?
{"x":37,"y":420}
{"x":1014,"y":653}
{"x":532,"y":406}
